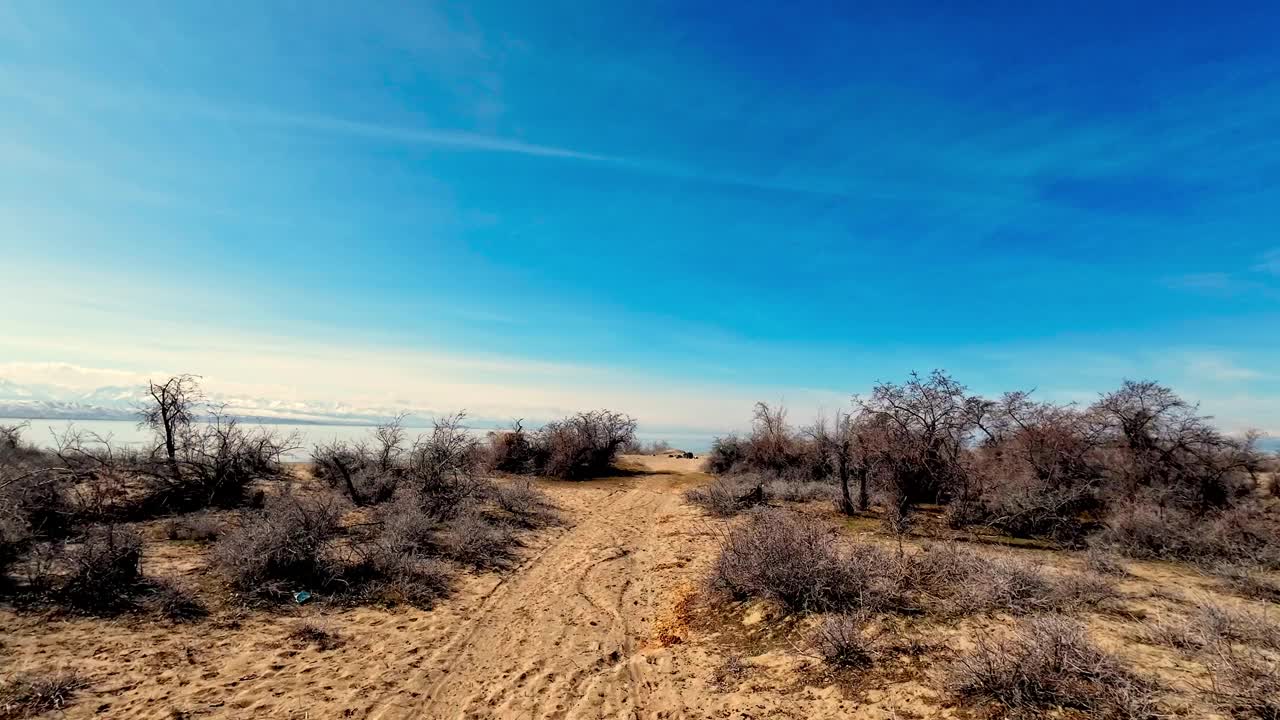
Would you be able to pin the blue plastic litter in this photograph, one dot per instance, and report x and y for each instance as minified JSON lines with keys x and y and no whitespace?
{"x":301,"y":597}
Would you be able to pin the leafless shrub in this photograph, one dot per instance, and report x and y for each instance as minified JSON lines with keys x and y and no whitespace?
{"x":845,"y":640}
{"x":927,"y":425}
{"x":1246,"y":683}
{"x":1149,"y":531}
{"x":391,"y":574}
{"x":445,"y":468}
{"x":1248,"y":581}
{"x":471,"y":539}
{"x":1079,"y":590}
{"x":34,"y":694}
{"x":1104,"y":562}
{"x":1049,"y":662}
{"x":1039,"y":468}
{"x":728,"y":496}
{"x":727,"y":455}
{"x":1006,"y":584}
{"x":512,"y":451}
{"x":1211,"y":625}
{"x":399,"y":565}
{"x":951,"y":580}
{"x":309,"y":632}
{"x":368,"y":472}
{"x":201,"y":464}
{"x":584,"y":445}
{"x":201,"y":527}
{"x":802,"y":491}
{"x":284,"y":547}
{"x":795,"y":561}
{"x":35,"y":498}
{"x":105,"y":570}
{"x":1165,"y":446}
{"x":407,"y":525}
{"x":174,"y":603}
{"x":523,"y":504}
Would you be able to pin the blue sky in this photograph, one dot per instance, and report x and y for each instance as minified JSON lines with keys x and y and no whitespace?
{"x":672,"y":208}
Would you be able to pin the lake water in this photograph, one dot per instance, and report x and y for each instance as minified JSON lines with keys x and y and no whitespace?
{"x":127,"y":433}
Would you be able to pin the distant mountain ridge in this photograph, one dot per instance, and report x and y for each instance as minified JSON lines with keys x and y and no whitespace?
{"x":122,"y":403}
{"x":114,"y":402}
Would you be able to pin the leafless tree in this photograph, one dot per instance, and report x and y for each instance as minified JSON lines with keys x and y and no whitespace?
{"x":170,"y":413}
{"x":1169,"y":448}
{"x":849,"y":443}
{"x":927,"y":427}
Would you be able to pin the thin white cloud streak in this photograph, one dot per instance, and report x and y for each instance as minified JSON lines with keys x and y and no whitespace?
{"x":1269,"y":263}
{"x":1212,"y":367}
{"x":56,"y":88}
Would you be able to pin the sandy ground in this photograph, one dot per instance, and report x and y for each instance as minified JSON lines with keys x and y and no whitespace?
{"x":601,"y":619}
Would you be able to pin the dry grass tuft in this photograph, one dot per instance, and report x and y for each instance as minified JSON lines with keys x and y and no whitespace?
{"x":309,"y":632}
{"x":846,"y":640}
{"x":30,"y":695}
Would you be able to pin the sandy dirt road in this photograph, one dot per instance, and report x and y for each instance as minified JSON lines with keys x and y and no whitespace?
{"x":561,"y":637}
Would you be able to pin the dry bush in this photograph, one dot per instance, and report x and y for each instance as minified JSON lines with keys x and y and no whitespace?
{"x":950,"y":580}
{"x":584,"y":445}
{"x":200,"y":527}
{"x":804,"y":565}
{"x":1162,"y":444}
{"x":795,"y":561}
{"x":1212,"y":625}
{"x":104,"y":571}
{"x":284,"y":547}
{"x":1030,"y":469}
{"x":32,"y":694}
{"x":727,"y":455}
{"x":369,"y":471}
{"x":728,"y":496}
{"x":802,"y":491}
{"x":389,"y":574}
{"x":925,"y":427}
{"x":1248,"y":582}
{"x":174,"y":603}
{"x":472,"y":540}
{"x":1105,"y":562}
{"x":1144,"y":530}
{"x":845,"y":640}
{"x":351,"y":470}
{"x":309,"y":632}
{"x":1245,"y":683}
{"x":212,"y":464}
{"x":407,"y":525}
{"x":35,"y":498}
{"x":445,"y":468}
{"x":1039,"y":467}
{"x":1087,"y":589}
{"x":1046,"y":663}
{"x":399,"y":565}
{"x":523,"y":504}
{"x":512,"y":451}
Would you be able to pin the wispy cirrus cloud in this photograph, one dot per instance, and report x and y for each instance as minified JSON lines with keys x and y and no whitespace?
{"x":1269,"y":262}
{"x":1220,"y":368}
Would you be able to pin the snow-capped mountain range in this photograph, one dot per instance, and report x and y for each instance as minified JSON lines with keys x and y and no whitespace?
{"x":122,"y":403}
